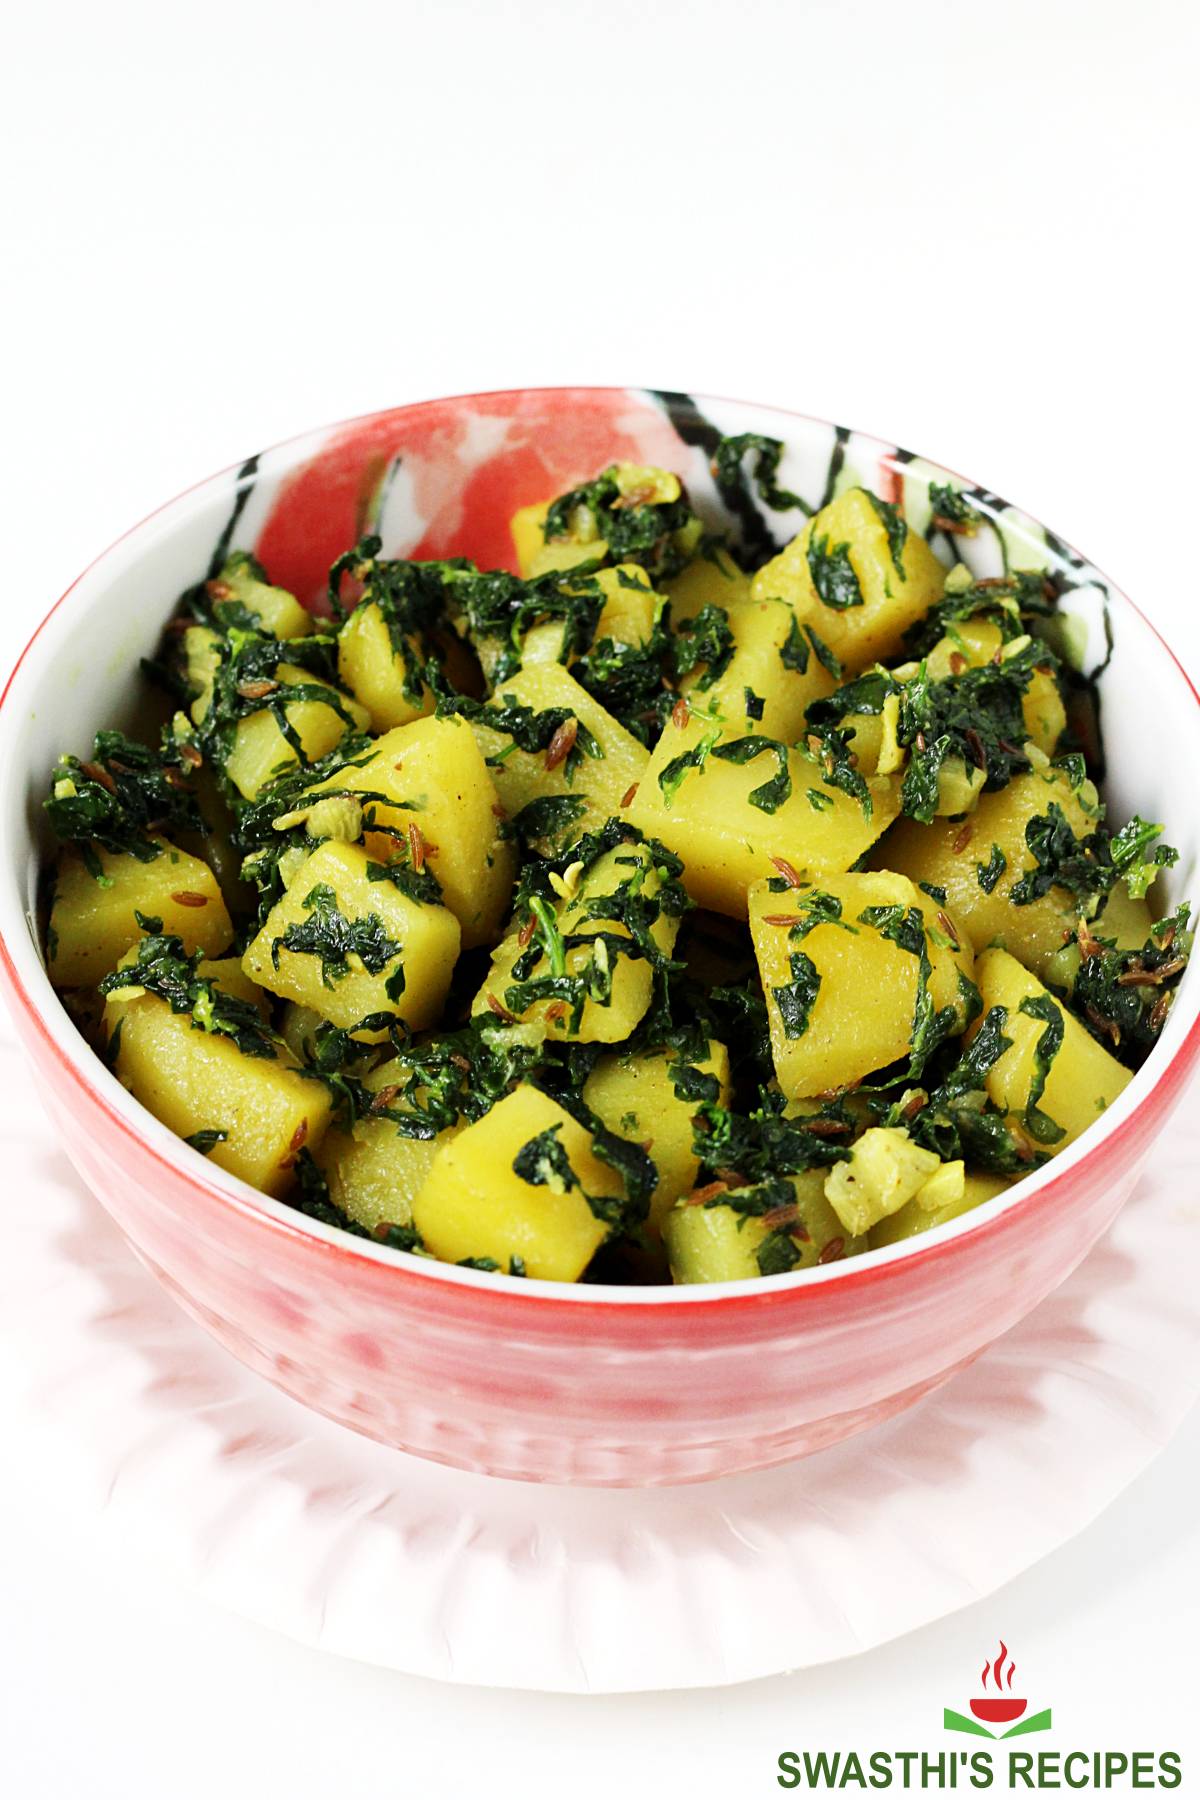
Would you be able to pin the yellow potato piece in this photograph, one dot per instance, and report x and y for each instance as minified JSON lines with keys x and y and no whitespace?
{"x":628,"y":615}
{"x":892,"y":599}
{"x":435,"y":781}
{"x":425,"y":944}
{"x":975,"y":642}
{"x":196,"y":1080}
{"x":601,"y":1022}
{"x":227,"y":974}
{"x":710,"y":579}
{"x":374,"y":1171}
{"x":953,"y":854}
{"x":726,"y":841}
{"x":636,"y":1098}
{"x":474,"y":1204}
{"x":260,"y":750}
{"x":861,"y":1016}
{"x":277,"y":611}
{"x":761,"y":630}
{"x":92,"y":925}
{"x":527,"y":526}
{"x":599,"y":783}
{"x":913,"y":1219}
{"x":718,"y":1243}
{"x":1083,"y":1079}
{"x":883,"y":1172}
{"x":370,"y":669}
{"x":537,"y":557}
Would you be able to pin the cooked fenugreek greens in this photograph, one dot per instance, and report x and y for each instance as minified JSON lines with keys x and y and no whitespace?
{"x":676,"y":908}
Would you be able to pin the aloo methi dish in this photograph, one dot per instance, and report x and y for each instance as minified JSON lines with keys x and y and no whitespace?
{"x":655,"y":913}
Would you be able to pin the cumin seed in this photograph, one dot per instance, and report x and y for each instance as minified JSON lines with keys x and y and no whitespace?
{"x":1109,"y":1027}
{"x":94,"y":772}
{"x":1160,"y":1009}
{"x":562,"y":743}
{"x":627,"y":796}
{"x":700,"y":1195}
{"x":833,"y":1251}
{"x":296,"y":1144}
{"x":944,"y":921}
{"x":187,"y":897}
{"x":788,"y":871}
{"x":680,"y":713}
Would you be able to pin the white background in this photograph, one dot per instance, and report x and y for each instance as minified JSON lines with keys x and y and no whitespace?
{"x":970,"y":229}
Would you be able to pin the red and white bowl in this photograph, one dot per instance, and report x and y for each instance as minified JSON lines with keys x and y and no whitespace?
{"x":524,"y":1378}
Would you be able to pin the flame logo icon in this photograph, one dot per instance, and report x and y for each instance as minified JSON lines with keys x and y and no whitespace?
{"x":1000,"y":1706}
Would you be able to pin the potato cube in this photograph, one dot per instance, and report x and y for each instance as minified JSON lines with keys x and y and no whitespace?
{"x":1122,"y":921}
{"x":228,"y":976}
{"x":635,"y":1097}
{"x":260,"y":750}
{"x":1078,"y":1081}
{"x":979,"y":861}
{"x":537,"y":557}
{"x":628,"y":615}
{"x":716,"y":1242}
{"x":883,"y":1172}
{"x":858,"y":576}
{"x":975,"y":642}
{"x":199,"y":1081}
{"x":600,"y":1021}
{"x":762,"y":632}
{"x":436,"y":784}
{"x":702,"y":809}
{"x":514,"y":1189}
{"x":378,"y":677}
{"x":373,"y":1169}
{"x":202,"y":659}
{"x":349,"y":945}
{"x":93,"y":923}
{"x":711,"y":579}
{"x":915,"y":1218}
{"x":844,"y":998}
{"x":527,"y":527}
{"x":242,"y":583}
{"x":597,"y":785}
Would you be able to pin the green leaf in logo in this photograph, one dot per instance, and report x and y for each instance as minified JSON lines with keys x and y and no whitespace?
{"x":955,"y":1721}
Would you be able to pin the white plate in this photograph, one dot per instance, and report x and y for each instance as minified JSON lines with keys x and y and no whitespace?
{"x":146,"y":1429}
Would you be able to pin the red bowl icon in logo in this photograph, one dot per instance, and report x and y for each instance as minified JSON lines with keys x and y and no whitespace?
{"x":999,"y":1711}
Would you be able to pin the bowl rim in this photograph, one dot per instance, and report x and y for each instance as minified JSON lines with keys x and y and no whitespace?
{"x":80,"y":1063}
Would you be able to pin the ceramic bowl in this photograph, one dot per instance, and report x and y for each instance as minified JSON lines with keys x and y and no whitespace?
{"x":530,"y":1379}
